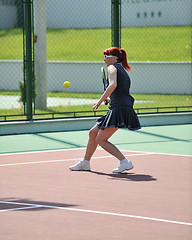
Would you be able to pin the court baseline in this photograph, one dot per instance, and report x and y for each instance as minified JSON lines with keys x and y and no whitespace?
{"x":30,"y":206}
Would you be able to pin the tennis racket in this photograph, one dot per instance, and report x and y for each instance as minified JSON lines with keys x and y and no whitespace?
{"x":105,"y":81}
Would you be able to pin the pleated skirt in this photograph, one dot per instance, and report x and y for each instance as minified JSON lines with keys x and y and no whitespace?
{"x":119,"y":117}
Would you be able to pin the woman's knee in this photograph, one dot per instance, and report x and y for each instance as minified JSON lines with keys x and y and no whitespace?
{"x":99,"y":139}
{"x":93,"y":132}
{"x":104,"y":135}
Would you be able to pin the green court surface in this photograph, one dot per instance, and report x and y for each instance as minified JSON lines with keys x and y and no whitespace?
{"x":172,"y":139}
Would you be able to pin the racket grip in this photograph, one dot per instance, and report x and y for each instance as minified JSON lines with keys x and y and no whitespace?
{"x":106,"y":102}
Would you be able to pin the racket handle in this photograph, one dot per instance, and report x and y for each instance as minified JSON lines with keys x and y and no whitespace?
{"x":106,"y":102}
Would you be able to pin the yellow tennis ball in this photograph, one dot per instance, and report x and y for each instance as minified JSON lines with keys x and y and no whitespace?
{"x":66,"y":84}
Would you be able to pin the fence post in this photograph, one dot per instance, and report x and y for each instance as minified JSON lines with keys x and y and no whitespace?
{"x":28,"y":63}
{"x":40,"y":53}
{"x":116,"y":23}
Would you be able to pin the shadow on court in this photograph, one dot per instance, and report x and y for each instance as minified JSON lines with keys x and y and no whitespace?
{"x":128,"y":176}
{"x":25,"y":204}
{"x":70,"y":144}
{"x":163,"y":136}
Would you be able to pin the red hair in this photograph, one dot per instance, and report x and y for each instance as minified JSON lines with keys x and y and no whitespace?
{"x":120,"y":54}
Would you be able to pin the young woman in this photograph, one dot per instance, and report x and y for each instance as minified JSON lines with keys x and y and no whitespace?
{"x":120,"y":115}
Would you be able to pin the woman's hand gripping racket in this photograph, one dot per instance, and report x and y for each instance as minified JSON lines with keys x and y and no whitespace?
{"x":105,"y":81}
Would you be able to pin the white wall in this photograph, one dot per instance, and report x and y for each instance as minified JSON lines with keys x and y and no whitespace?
{"x":79,"y":14}
{"x":147,"y":77}
{"x":8,"y":16}
{"x":11,"y":72}
{"x":97,"y":14}
{"x":156,"y":12}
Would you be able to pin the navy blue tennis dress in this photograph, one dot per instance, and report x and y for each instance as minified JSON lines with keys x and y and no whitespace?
{"x":121,"y":113}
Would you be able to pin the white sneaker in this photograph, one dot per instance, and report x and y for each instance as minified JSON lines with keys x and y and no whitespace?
{"x":81,"y":166}
{"x":123,"y":166}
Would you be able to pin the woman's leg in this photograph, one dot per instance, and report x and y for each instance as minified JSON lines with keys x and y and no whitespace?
{"x":102,"y":139}
{"x":92,"y":144}
{"x":91,"y":147}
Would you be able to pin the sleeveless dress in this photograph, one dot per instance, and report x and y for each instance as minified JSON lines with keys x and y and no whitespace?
{"x":121,"y":113}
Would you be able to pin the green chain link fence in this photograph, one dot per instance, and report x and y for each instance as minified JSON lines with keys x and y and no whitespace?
{"x":68,"y":39}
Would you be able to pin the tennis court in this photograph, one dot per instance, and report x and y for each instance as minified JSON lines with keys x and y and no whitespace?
{"x":42,"y":45}
{"x":42,"y":199}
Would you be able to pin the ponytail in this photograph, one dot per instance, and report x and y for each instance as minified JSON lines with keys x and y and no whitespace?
{"x":123,"y":60}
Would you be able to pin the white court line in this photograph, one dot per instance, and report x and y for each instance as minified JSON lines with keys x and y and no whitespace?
{"x":46,"y":151}
{"x":93,"y":211}
{"x":71,"y":149}
{"x":65,"y":160}
{"x":168,"y":154}
{"x":22,"y":208}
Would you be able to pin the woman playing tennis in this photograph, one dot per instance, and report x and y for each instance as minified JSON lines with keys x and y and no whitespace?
{"x":120,"y":115}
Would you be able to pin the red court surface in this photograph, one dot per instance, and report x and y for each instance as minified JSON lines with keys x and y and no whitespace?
{"x":42,"y":200}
